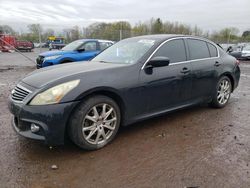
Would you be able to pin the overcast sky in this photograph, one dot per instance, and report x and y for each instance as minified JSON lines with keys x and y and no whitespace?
{"x":206,"y":14}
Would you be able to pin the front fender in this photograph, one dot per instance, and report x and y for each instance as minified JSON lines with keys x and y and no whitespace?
{"x":98,"y":90}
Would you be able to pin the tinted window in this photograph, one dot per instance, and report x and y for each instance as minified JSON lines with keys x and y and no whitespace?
{"x":73,"y":45}
{"x":89,"y":46}
{"x":198,"y":49}
{"x":174,"y":50}
{"x":104,"y":45}
{"x":212,"y":49}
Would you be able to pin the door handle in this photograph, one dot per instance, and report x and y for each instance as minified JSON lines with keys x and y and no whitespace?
{"x":217,"y":64}
{"x":185,"y":70}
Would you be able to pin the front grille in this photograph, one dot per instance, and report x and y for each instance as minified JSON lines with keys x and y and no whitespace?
{"x":39,"y":60}
{"x":19,"y":93}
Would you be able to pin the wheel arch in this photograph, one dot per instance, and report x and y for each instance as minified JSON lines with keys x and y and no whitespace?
{"x":106,"y":91}
{"x":230,"y":76}
{"x":64,"y":60}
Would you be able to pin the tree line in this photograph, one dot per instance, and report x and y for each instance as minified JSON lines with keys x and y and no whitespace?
{"x":123,"y":29}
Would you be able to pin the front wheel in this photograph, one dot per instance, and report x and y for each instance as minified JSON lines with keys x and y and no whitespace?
{"x":223,"y":92}
{"x":66,"y":61}
{"x":95,"y":122}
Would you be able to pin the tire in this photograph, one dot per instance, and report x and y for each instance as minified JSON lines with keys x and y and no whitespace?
{"x":89,"y":127}
{"x":63,"y":62}
{"x":222,"y":93}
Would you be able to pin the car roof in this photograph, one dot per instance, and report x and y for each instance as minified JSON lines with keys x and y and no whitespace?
{"x":163,"y":37}
{"x":157,"y":37}
{"x":99,"y":40}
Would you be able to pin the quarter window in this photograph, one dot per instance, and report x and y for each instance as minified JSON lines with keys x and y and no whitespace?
{"x":174,"y":50}
{"x":212,"y":49}
{"x":198,"y":49}
{"x":104,"y":45}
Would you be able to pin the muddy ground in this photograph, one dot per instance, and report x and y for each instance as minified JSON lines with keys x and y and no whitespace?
{"x":196,"y":147}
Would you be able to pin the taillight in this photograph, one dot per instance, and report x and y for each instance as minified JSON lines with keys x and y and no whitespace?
{"x":237,"y":62}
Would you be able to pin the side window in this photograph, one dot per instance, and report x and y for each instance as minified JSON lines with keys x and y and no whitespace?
{"x":104,"y":45}
{"x":174,"y":50}
{"x":198,"y":49}
{"x":89,"y":46}
{"x":213,"y":50}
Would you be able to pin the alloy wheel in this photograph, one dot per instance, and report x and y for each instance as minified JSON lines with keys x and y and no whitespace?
{"x":99,"y":123}
{"x":224,"y":91}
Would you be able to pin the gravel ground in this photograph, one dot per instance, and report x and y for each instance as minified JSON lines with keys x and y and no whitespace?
{"x":196,"y":147}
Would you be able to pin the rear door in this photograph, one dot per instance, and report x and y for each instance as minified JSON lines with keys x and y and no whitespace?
{"x":204,"y":60}
{"x":168,"y":86}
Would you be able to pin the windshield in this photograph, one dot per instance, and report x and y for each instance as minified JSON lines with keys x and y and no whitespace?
{"x":127,"y":51}
{"x":72,"y":46}
{"x":247,"y":47}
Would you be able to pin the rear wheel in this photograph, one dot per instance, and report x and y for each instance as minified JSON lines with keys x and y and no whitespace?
{"x":223,"y":92}
{"x":95,"y":123}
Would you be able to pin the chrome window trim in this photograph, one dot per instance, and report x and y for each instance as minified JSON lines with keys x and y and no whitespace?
{"x":187,"y":61}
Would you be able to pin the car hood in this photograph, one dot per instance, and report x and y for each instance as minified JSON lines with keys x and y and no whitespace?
{"x":56,"y":52}
{"x":58,"y":73}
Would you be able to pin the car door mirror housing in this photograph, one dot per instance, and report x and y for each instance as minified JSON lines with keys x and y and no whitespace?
{"x":230,"y":50}
{"x":81,"y":50}
{"x":158,"y":61}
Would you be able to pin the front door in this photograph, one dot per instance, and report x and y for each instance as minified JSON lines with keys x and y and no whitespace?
{"x":90,"y":51}
{"x":169,"y":86}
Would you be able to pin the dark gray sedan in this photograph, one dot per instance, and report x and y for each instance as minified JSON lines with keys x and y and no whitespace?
{"x":135,"y":79}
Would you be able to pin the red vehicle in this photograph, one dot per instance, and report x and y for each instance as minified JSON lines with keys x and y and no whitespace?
{"x":9,"y":42}
{"x":24,"y":45}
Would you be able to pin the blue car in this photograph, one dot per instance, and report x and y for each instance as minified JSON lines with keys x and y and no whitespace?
{"x":79,"y":50}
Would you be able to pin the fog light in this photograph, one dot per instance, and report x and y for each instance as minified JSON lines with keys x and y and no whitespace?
{"x":34,"y":128}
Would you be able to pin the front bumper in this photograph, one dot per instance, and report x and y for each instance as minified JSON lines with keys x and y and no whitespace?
{"x":24,"y":48}
{"x":39,"y":62}
{"x":44,"y":64}
{"x":52,"y":120}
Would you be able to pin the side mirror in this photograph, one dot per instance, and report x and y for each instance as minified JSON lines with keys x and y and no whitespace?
{"x":159,"y":61}
{"x":80,"y":50}
{"x":230,"y":50}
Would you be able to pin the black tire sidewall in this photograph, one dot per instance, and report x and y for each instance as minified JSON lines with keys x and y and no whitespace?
{"x":66,"y":61}
{"x":75,"y":127}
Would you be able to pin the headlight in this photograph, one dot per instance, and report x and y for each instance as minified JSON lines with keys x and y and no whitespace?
{"x":51,"y":57}
{"x":54,"y":94}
